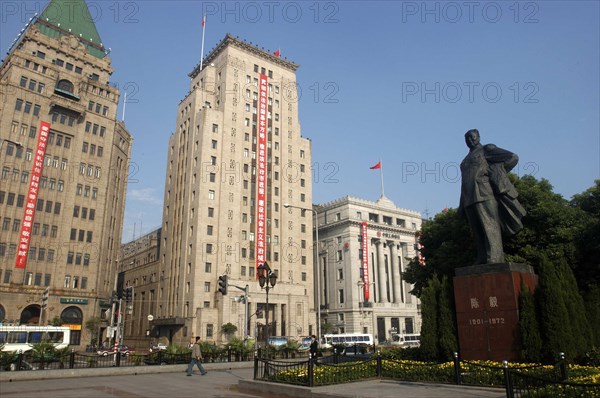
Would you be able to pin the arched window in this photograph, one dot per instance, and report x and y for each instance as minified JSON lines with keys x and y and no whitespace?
{"x":30,"y":315}
{"x":65,"y":86}
{"x":73,"y":317}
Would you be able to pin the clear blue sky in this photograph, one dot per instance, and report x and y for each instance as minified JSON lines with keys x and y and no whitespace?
{"x":396,"y":81}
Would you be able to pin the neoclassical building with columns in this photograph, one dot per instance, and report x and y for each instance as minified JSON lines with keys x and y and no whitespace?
{"x":363,"y":249}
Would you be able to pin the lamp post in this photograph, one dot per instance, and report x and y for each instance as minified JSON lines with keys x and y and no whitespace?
{"x":287,"y":206}
{"x":267,"y":280}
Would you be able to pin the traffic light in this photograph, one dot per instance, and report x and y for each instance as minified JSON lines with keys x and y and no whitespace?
{"x":223,"y":284}
{"x":128,"y":294}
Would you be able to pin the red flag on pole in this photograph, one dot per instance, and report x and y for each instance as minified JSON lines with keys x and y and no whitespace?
{"x":203,"y":20}
{"x":377,"y":166}
{"x":277,"y":53}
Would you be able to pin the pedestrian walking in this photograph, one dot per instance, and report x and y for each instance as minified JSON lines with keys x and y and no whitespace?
{"x":196,"y":357}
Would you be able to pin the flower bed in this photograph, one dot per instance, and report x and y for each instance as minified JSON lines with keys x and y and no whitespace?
{"x":483,"y":373}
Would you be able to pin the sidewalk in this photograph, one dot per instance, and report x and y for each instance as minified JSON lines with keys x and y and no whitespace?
{"x":224,"y":380}
{"x":372,"y":389}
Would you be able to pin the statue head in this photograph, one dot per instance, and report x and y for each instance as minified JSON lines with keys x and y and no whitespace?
{"x":472,"y":138}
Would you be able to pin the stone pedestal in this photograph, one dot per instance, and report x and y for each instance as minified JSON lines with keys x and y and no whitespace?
{"x":487,"y":309}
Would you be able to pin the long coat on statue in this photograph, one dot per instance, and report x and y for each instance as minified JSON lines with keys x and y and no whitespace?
{"x":484,"y":177}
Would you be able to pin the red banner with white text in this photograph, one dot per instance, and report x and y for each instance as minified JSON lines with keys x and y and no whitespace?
{"x":365,"y":259}
{"x":32,"y":194}
{"x":261,"y":169}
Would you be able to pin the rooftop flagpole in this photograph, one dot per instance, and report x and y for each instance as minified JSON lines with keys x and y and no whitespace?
{"x":380,"y":167}
{"x":202,"y":48}
{"x":381,"y":174}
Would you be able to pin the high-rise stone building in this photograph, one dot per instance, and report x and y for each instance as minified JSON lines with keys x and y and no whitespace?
{"x":58,"y":71}
{"x":229,"y":148}
{"x":138,"y":264}
{"x":364,"y":247}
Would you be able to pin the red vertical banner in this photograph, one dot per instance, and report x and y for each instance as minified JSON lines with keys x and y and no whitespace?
{"x":261,"y":168}
{"x":365,"y":259}
{"x":32,"y":194}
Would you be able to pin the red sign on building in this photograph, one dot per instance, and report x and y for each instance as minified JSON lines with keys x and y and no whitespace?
{"x":32,"y":194}
{"x":365,"y":259}
{"x":261,"y":168}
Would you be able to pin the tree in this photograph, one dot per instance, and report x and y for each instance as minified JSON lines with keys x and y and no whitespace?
{"x":447,"y":341}
{"x":228,"y":330}
{"x":587,"y":268}
{"x":549,"y":227}
{"x":531,"y":341}
{"x":429,"y":326}
{"x":326,"y":327}
{"x":592,"y":306}
{"x":241,"y":347}
{"x":445,"y":247}
{"x":554,"y":318}
{"x":581,"y":333}
{"x":43,"y":352}
{"x":93,"y":326}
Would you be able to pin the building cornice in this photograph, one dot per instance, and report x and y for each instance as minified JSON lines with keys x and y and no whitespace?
{"x":371,"y":226}
{"x":229,"y":40}
{"x":365,"y":203}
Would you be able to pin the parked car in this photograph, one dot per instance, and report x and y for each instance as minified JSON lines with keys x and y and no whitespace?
{"x":158,"y":347}
{"x":123,"y":349}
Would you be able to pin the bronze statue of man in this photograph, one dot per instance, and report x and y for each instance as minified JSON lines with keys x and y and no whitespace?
{"x":488,"y":199}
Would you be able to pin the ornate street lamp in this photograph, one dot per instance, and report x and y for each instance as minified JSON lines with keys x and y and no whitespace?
{"x":267,"y":280}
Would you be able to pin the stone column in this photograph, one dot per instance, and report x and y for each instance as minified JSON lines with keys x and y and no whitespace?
{"x":383,"y":298}
{"x":373,"y":276}
{"x":395,"y":272}
{"x":403,"y":284}
{"x":323,"y":273}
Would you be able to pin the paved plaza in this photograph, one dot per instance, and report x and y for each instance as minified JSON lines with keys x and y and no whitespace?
{"x":221,"y":381}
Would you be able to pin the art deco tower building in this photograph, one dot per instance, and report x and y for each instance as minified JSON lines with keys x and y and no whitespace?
{"x":236,"y":157}
{"x":64,"y":161}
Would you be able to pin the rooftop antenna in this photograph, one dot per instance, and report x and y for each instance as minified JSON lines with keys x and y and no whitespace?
{"x":124,"y":103}
{"x":202,"y":47}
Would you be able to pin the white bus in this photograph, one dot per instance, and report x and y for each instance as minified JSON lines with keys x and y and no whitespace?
{"x":22,"y":338}
{"x":406,"y":340}
{"x":347,"y":339}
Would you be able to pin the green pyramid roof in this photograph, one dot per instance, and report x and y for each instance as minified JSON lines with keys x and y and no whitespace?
{"x":64,"y":17}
